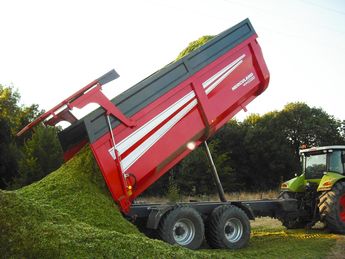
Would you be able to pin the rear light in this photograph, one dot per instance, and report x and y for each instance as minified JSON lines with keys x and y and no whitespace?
{"x":129,"y":190}
{"x":284,"y":185}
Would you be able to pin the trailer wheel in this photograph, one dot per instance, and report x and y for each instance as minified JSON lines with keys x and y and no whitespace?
{"x":228,"y":227}
{"x":288,"y":220}
{"x":183,"y":226}
{"x":332,"y":208}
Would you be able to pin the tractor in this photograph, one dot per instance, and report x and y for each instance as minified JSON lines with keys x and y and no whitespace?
{"x":319,"y":190}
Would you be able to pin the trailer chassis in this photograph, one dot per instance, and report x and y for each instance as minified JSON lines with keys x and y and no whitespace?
{"x":152,"y":218}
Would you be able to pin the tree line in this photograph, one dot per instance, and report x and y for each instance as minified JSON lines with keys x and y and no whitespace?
{"x":255,"y":154}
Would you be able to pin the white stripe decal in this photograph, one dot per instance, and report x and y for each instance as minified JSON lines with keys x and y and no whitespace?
{"x":216,"y":83}
{"x":133,"y":138}
{"x":140,"y":150}
{"x":221,"y":72}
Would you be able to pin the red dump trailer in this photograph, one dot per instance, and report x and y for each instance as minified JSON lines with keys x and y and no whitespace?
{"x":142,"y":133}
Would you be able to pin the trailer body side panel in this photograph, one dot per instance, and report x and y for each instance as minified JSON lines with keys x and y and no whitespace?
{"x":174,"y":110}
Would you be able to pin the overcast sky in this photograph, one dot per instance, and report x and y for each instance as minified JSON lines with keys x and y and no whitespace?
{"x":50,"y":49}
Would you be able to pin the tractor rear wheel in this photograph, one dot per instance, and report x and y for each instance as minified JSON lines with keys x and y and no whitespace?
{"x":291,"y":221}
{"x":182,"y":226}
{"x":228,"y":227}
{"x":332,"y":208}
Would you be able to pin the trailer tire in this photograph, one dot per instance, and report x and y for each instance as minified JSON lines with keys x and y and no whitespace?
{"x":182,"y":226}
{"x":290,"y":220}
{"x":332,"y":208}
{"x":228,"y":227}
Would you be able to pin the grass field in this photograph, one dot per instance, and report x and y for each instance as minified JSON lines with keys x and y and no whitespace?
{"x":70,"y":214}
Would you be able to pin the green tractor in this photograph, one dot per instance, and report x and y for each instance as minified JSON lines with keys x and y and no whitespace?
{"x":319,"y":190}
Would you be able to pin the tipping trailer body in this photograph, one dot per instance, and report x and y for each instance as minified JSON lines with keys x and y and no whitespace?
{"x":157,"y":122}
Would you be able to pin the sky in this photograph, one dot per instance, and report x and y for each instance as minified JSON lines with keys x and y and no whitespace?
{"x":50,"y":49}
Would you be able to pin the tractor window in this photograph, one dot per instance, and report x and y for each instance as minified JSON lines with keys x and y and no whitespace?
{"x":315,"y":166}
{"x":335,"y":163}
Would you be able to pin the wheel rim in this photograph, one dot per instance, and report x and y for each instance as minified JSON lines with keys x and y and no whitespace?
{"x":233,"y":230}
{"x":183,"y":231}
{"x":342,"y":208}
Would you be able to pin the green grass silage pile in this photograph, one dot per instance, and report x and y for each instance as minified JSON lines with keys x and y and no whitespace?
{"x":71,"y":214}
{"x":194,"y":45}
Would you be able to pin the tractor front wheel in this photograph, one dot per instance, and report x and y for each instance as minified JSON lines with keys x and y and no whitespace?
{"x":332,"y":208}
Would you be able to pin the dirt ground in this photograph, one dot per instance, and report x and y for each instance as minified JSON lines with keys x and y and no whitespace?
{"x":338,"y":251}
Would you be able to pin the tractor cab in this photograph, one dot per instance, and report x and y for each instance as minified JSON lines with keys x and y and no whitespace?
{"x":322,"y":167}
{"x":318,"y":161}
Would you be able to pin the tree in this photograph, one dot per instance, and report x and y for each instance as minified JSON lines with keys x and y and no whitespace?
{"x":19,"y":154}
{"x":230,"y":139}
{"x":8,"y":155}
{"x":270,"y":156}
{"x":41,"y":155}
{"x":9,"y":111}
{"x":309,"y":126}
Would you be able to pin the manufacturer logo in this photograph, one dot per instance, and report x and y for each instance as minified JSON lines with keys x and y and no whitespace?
{"x":249,"y":78}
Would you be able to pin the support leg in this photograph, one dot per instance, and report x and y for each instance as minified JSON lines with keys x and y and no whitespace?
{"x":215,"y":174}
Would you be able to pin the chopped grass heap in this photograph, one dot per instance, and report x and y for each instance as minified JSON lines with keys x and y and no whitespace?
{"x":71,"y":214}
{"x":194,"y":45}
